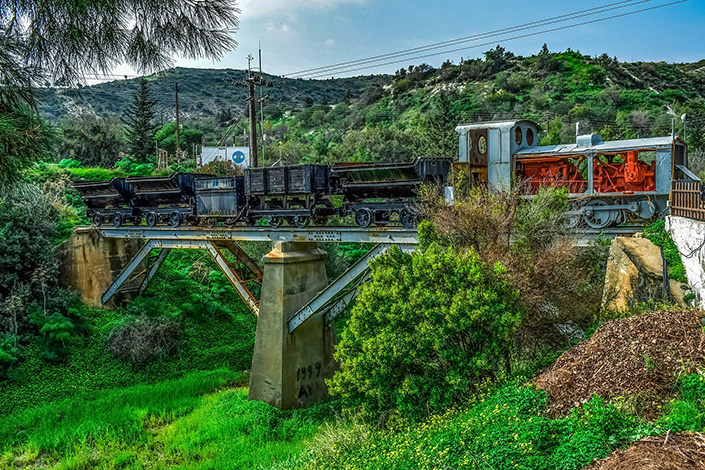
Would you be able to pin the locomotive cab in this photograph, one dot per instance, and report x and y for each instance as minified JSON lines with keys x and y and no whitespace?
{"x":486,"y":151}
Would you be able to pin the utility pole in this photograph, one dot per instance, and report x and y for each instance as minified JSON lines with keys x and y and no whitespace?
{"x":261,"y":103}
{"x":250,"y":83}
{"x":176,"y":90}
{"x":253,"y":113}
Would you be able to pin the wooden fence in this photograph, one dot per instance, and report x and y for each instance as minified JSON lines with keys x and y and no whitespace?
{"x":686,"y":200}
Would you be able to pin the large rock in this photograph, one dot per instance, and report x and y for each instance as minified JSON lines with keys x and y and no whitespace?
{"x":635,"y":275}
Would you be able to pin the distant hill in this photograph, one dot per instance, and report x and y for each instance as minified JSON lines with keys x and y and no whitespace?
{"x":203,"y":93}
{"x":414,"y":112}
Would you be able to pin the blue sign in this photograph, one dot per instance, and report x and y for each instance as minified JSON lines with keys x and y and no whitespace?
{"x":238,"y":156}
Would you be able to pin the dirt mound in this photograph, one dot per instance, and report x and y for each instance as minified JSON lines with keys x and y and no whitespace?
{"x":683,"y":451}
{"x":639,"y":356}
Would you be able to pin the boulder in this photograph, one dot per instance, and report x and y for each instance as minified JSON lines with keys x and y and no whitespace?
{"x":635,"y":274}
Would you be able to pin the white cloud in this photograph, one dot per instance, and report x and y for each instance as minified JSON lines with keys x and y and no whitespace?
{"x":254,"y":8}
{"x":282,"y":27}
{"x":330,"y":42}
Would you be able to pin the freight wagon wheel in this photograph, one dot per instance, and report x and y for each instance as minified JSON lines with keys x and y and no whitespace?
{"x":230,"y":222}
{"x":210,"y":222}
{"x":301,"y":221}
{"x":174,"y":219}
{"x":117,"y":220}
{"x":407,"y":219}
{"x":363,"y":217}
{"x":151,"y":219}
{"x":97,"y":219}
{"x":600,"y":218}
{"x":320,"y":220}
{"x":275,"y":221}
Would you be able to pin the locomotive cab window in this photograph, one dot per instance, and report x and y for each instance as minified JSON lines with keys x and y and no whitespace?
{"x":482,"y":145}
{"x":518,"y":135}
{"x":529,"y":137}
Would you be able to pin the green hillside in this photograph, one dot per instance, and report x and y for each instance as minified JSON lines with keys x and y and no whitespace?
{"x":203,"y":93}
{"x":413,"y":113}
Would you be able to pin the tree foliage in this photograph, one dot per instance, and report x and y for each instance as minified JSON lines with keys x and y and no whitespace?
{"x":425,"y":330}
{"x":92,"y":140}
{"x":55,"y":42}
{"x":140,"y":125}
{"x":24,"y":139}
{"x":560,"y":285}
{"x":65,"y":40}
{"x":31,"y":301}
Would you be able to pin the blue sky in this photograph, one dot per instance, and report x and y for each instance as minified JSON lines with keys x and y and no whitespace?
{"x":301,"y":34}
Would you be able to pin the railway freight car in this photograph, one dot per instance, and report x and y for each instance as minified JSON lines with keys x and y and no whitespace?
{"x":220,"y":199}
{"x":107,"y":201}
{"x":375,"y":192}
{"x":298,"y":193}
{"x":609,"y":182}
{"x":161,"y":199}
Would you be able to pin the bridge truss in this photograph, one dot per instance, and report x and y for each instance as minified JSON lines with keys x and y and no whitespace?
{"x":241,"y":270}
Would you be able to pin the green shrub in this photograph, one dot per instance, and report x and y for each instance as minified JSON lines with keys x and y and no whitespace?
{"x":69,"y":163}
{"x":424,"y":331}
{"x":9,"y":355}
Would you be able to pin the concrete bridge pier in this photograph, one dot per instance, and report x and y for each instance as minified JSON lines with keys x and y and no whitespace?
{"x":288,"y":370}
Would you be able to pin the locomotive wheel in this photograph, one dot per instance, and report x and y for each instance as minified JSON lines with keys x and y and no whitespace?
{"x":275,"y":221}
{"x":363,"y":217}
{"x":152,"y":219}
{"x":117,"y":219}
{"x":97,"y":219}
{"x":137,"y":220}
{"x":301,"y":221}
{"x":600,"y":218}
{"x":174,"y":219}
{"x":407,"y":218}
{"x":320,"y":220}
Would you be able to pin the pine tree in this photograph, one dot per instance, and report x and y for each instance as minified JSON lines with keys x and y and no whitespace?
{"x":139,"y":121}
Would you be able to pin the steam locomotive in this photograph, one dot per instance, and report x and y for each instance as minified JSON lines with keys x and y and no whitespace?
{"x":609,"y":183}
{"x":299,"y":194}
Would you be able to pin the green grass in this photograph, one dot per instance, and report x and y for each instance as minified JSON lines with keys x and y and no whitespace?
{"x":196,"y":422}
{"x":217,"y":331}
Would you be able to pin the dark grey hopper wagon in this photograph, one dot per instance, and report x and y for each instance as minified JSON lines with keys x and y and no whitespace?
{"x":165,"y":198}
{"x":397,"y":183}
{"x":106,"y":200}
{"x":295,"y":193}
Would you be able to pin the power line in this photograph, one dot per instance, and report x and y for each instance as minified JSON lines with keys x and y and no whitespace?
{"x":314,"y":76}
{"x":452,"y":42}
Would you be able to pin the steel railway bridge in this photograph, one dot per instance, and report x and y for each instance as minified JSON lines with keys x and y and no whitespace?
{"x":218,"y":241}
{"x":297,"y":307}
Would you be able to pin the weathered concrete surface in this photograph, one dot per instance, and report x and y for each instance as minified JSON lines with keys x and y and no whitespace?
{"x":288,"y":370}
{"x":635,"y":274}
{"x":89,"y":263}
{"x":689,"y":236}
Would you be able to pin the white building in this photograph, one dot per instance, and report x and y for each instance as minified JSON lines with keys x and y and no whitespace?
{"x":240,"y":156}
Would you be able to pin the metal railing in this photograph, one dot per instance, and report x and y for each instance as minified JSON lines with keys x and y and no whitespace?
{"x":686,"y":200}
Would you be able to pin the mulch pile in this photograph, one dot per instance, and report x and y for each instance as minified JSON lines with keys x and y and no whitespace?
{"x":637,"y":356}
{"x":682,"y":451}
